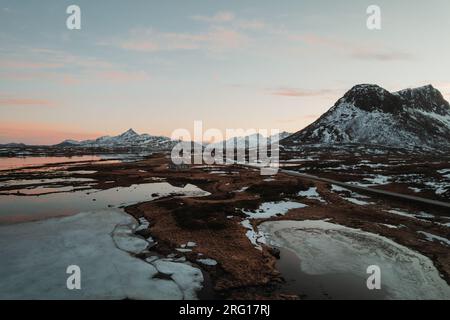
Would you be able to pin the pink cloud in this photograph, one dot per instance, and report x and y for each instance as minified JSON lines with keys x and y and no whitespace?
{"x":226,"y":39}
{"x":358,"y":50}
{"x":70,"y":80}
{"x":42,"y":58}
{"x":6,"y":101}
{"x":123,"y":76}
{"x":41,"y":133}
{"x":230,"y":18}
{"x":215,"y":39}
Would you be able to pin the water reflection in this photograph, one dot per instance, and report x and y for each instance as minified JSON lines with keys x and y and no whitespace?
{"x":28,"y":208}
{"x":32,"y":161}
{"x":15,"y":163}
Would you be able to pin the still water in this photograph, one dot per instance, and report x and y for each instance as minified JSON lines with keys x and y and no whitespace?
{"x":14,"y":163}
{"x":15,"y":208}
{"x":21,"y":162}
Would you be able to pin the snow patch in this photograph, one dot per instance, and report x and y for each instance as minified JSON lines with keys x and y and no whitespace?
{"x":255,"y":237}
{"x":432,"y":237}
{"x":207,"y":262}
{"x":272,"y":209}
{"x":311,"y":193}
{"x":358,"y":202}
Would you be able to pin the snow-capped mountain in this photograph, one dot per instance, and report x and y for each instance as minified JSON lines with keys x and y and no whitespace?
{"x":369,"y":114}
{"x":127,"y":139}
{"x":252,"y":140}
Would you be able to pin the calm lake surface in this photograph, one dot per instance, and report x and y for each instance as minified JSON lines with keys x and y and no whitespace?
{"x":33,"y":161}
{"x":15,"y":209}
{"x":15,"y":163}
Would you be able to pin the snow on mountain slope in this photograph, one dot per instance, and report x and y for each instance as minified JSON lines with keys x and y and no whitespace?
{"x":252,"y":140}
{"x":127,"y":139}
{"x":369,"y":114}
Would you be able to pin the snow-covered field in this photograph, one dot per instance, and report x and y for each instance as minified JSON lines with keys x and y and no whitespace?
{"x":326,"y":248}
{"x":35,"y":256}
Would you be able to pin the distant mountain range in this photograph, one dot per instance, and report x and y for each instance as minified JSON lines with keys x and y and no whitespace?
{"x":371,"y":115}
{"x":252,"y":141}
{"x":131,"y":139}
{"x":127,"y":139}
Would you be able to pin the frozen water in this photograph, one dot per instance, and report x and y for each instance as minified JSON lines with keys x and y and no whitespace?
{"x":188,"y":278}
{"x":35,"y":267}
{"x":100,"y":243}
{"x":326,"y":248}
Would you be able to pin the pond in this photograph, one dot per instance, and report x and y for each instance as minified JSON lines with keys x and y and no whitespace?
{"x":322,"y":260}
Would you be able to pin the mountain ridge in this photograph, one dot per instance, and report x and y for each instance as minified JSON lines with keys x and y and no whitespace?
{"x":129,"y":138}
{"x":369,"y":114}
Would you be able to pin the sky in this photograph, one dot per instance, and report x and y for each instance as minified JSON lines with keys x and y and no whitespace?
{"x":157,"y":66}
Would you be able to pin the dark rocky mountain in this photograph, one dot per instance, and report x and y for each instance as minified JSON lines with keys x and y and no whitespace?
{"x":371,"y":115}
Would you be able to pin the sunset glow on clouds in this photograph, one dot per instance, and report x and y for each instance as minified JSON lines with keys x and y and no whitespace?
{"x":37,"y":133}
{"x":215,"y":39}
{"x":24,"y":102}
{"x":158,"y":66}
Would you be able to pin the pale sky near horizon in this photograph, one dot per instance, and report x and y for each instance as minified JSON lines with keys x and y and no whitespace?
{"x":157,"y":66}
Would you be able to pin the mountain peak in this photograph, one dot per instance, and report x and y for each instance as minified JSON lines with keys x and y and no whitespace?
{"x":366,"y":87}
{"x":370,"y":97}
{"x":423,"y":89}
{"x":425,"y":98}
{"x":360,"y":89}
{"x":129,"y":138}
{"x":427,"y":90}
{"x":428,"y":87}
{"x":369,"y":114}
{"x":129,"y":133}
